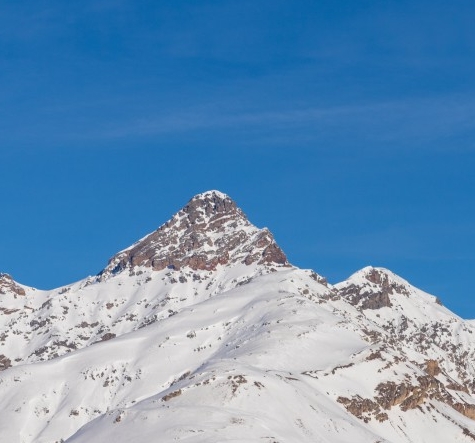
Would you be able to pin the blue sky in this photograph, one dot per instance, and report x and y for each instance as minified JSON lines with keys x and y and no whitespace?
{"x":345,"y":127}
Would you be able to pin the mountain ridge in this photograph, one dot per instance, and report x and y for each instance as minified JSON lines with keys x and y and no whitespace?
{"x":197,"y":331}
{"x":209,"y":230}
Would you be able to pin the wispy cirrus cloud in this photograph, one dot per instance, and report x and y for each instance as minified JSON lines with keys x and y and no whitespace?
{"x":441,"y":122}
{"x":415,"y":120}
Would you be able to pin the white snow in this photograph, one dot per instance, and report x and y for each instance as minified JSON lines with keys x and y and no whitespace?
{"x":237,"y":354}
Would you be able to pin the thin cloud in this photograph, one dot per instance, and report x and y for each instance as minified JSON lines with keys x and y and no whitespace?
{"x":405,"y":120}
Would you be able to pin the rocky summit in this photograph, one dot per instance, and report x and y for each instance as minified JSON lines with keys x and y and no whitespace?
{"x":203,"y":332}
{"x":8,"y":286}
{"x":209,"y":231}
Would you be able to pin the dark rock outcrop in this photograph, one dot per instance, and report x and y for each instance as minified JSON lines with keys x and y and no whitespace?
{"x":209,"y":231}
{"x":373,"y":291}
{"x":407,"y":396}
{"x":5,"y":362}
{"x":9,"y":286}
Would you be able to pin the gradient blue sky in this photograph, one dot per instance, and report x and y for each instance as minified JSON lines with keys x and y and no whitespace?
{"x":346,"y":127}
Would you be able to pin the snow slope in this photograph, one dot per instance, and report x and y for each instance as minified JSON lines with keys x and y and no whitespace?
{"x":203,"y":332}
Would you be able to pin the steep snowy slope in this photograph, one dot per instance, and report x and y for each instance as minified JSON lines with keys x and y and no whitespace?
{"x":206,"y":248}
{"x":203,"y":332}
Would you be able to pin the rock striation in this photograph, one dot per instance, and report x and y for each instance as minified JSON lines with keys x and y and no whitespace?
{"x":371,"y":288}
{"x":194,"y":330}
{"x":209,"y":231}
{"x":9,"y":286}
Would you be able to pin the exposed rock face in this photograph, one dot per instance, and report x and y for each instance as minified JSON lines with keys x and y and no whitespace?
{"x":432,"y":367}
{"x":8,"y":285}
{"x":407,"y":396}
{"x":209,"y":231}
{"x":408,"y":358}
{"x":365,"y":300}
{"x":363,"y":408}
{"x":371,"y":290}
{"x":444,"y":374}
{"x":5,"y":362}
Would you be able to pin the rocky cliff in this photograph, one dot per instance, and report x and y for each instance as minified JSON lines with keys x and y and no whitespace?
{"x":203,"y":331}
{"x":209,"y":231}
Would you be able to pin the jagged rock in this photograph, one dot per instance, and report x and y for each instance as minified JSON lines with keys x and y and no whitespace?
{"x":382,"y":279}
{"x":363,"y":408}
{"x":247,"y":311}
{"x":390,"y":394}
{"x":465,"y":409}
{"x":432,"y":367}
{"x":108,"y":336}
{"x":370,"y":288}
{"x":365,"y":300}
{"x":457,"y":387}
{"x":5,"y":362}
{"x":375,"y":355}
{"x":409,"y":396}
{"x":8,"y":285}
{"x":209,"y":231}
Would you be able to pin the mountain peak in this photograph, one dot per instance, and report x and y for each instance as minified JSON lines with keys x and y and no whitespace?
{"x":210,"y":230}
{"x":213,"y":193}
{"x":217,"y":334}
{"x":370,"y":288}
{"x":9,"y":286}
{"x":210,"y":206}
{"x":378,"y":276}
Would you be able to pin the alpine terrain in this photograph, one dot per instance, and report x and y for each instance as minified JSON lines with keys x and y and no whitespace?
{"x":202,"y":331}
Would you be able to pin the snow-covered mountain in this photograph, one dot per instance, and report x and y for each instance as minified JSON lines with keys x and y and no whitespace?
{"x":203,"y":332}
